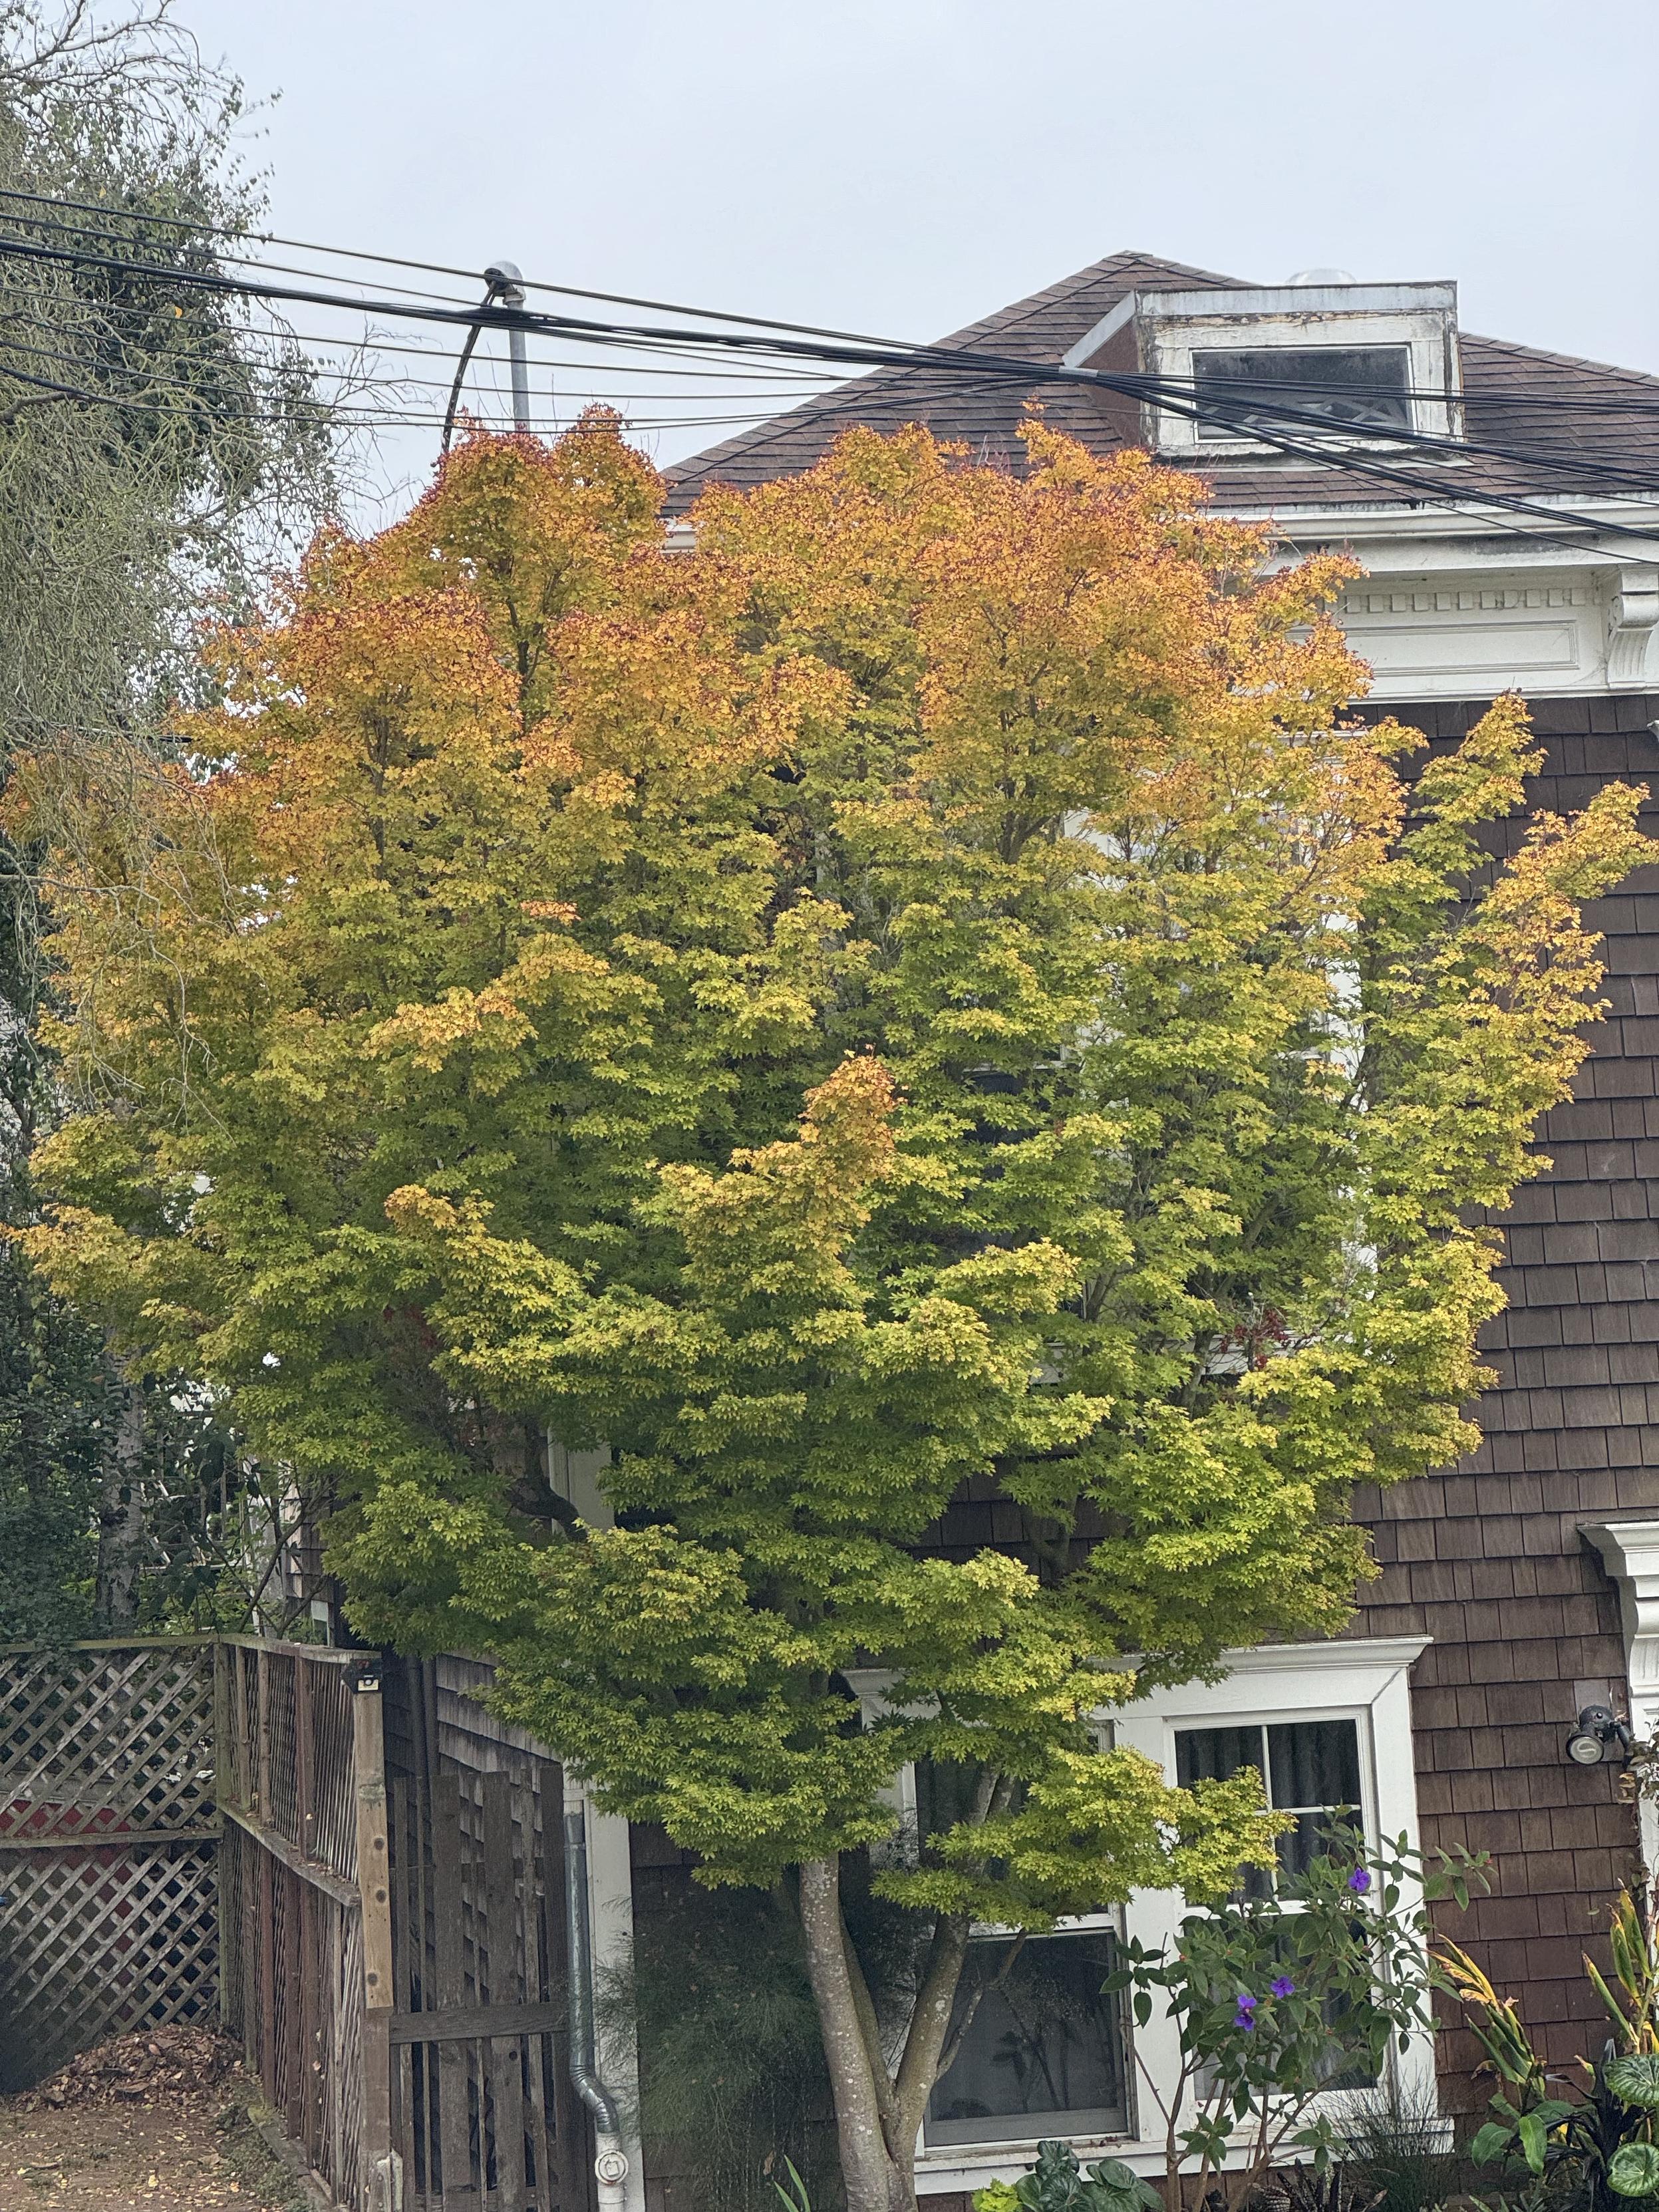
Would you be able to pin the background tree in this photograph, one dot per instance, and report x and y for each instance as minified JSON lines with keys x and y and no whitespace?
{"x":925,"y":989}
{"x":160,"y":447}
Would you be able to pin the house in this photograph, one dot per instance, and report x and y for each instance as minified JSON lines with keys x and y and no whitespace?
{"x":1503,"y":503}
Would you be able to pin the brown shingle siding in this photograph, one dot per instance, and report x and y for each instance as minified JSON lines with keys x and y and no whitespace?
{"x":1571,"y":1435}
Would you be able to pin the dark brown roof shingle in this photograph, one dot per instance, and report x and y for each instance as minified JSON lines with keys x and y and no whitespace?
{"x":1536,"y":423}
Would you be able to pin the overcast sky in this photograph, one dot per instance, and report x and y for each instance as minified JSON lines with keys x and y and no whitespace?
{"x":905,"y":166}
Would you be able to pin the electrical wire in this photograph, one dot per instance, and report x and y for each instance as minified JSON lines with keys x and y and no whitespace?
{"x":1346,"y":460}
{"x":859,"y":338}
{"x":440,"y":269}
{"x":200,"y":390}
{"x":756,"y":374}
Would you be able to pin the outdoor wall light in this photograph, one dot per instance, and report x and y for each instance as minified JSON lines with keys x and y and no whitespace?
{"x":1599,"y":1735}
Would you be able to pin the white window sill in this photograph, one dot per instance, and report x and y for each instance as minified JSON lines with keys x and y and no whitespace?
{"x":972,"y":2165}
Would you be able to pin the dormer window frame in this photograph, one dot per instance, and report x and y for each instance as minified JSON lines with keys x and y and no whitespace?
{"x":1420,"y":318}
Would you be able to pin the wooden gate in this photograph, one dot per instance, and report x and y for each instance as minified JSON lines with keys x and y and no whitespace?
{"x":393,"y":1957}
{"x":485,"y":2116}
{"x":307,"y":1911}
{"x":108,"y":1905}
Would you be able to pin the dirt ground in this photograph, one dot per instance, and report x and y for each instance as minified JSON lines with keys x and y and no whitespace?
{"x":157,"y":2124}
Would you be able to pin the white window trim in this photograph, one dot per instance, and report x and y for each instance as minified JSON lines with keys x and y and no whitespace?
{"x":1365,"y":1679}
{"x":1422,"y":317}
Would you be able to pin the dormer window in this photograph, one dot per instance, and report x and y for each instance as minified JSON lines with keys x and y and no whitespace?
{"x":1352,"y":386}
{"x":1314,"y":368}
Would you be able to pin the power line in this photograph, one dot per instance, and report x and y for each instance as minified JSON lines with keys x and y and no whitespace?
{"x":762,"y":322}
{"x":439,"y":268}
{"x":877,"y":354}
{"x":145,"y":401}
{"x":753,"y":372}
{"x":201,"y":390}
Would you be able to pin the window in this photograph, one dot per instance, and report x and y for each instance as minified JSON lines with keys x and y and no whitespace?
{"x":1041,"y":2050}
{"x":1326,"y":1725}
{"x":1310,"y":364}
{"x":1312,"y":1769}
{"x":1043,"y":2054}
{"x":1348,"y":386}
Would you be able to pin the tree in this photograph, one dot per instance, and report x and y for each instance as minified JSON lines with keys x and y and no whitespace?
{"x":927,"y":988}
{"x":160,"y":444}
{"x":159,"y":441}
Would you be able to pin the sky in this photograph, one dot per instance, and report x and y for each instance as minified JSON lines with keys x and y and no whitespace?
{"x":903,"y":167}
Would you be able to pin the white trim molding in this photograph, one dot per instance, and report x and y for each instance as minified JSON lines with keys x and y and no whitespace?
{"x":1630,"y":1554}
{"x":1632,"y":611}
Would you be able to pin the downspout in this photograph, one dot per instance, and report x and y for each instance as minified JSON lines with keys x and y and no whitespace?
{"x":610,"y":2165}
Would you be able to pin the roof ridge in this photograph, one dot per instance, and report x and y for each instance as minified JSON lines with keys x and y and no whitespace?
{"x":1063,"y":288}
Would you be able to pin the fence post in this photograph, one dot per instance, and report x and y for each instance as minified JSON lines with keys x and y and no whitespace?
{"x":381,"y":2166}
{"x":221,"y":1770}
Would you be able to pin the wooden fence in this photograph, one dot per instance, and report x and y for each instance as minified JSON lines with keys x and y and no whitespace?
{"x":306,"y":1902}
{"x":394,"y":1948}
{"x":108,"y":1904}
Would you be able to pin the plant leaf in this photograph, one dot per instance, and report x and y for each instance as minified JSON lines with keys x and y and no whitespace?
{"x":1633,"y":2170}
{"x":1533,"y":2132}
{"x":1635,"y":2078}
{"x":1491,"y":2142}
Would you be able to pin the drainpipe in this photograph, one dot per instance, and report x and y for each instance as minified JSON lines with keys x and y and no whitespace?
{"x":611,"y":2165}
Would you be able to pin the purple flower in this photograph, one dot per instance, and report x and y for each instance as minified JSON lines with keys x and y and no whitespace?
{"x":1283,"y":1987}
{"x":1359,"y":1881}
{"x":1245,"y":2016}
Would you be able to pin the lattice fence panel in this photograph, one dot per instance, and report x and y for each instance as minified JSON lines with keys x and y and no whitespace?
{"x":94,"y":1943}
{"x":105,"y":1737}
{"x":115,"y":1742}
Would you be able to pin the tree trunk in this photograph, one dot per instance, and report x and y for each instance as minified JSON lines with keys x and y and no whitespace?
{"x":874,"y":2182}
{"x":925,"y":2041}
{"x":879,"y":2116}
{"x":121,"y":1509}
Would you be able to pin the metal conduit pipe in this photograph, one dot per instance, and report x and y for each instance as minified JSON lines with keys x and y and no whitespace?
{"x":611,"y":2164}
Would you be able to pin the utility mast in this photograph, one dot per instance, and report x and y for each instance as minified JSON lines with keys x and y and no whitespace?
{"x":505,"y":287}
{"x":506,"y":283}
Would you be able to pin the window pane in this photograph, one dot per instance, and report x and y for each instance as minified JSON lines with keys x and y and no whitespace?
{"x":1298,"y":1847}
{"x":1215,"y":1754}
{"x":1043,"y":2055}
{"x":1365,"y":387}
{"x":1313,"y":1763}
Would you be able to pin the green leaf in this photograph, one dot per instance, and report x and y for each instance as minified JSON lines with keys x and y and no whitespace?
{"x":1635,"y":2079}
{"x":1492,"y":2142}
{"x":1114,"y":2187}
{"x":1533,"y":2132}
{"x":1633,"y":2170}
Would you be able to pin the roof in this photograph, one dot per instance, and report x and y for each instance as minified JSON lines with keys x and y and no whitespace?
{"x":1561,"y":425}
